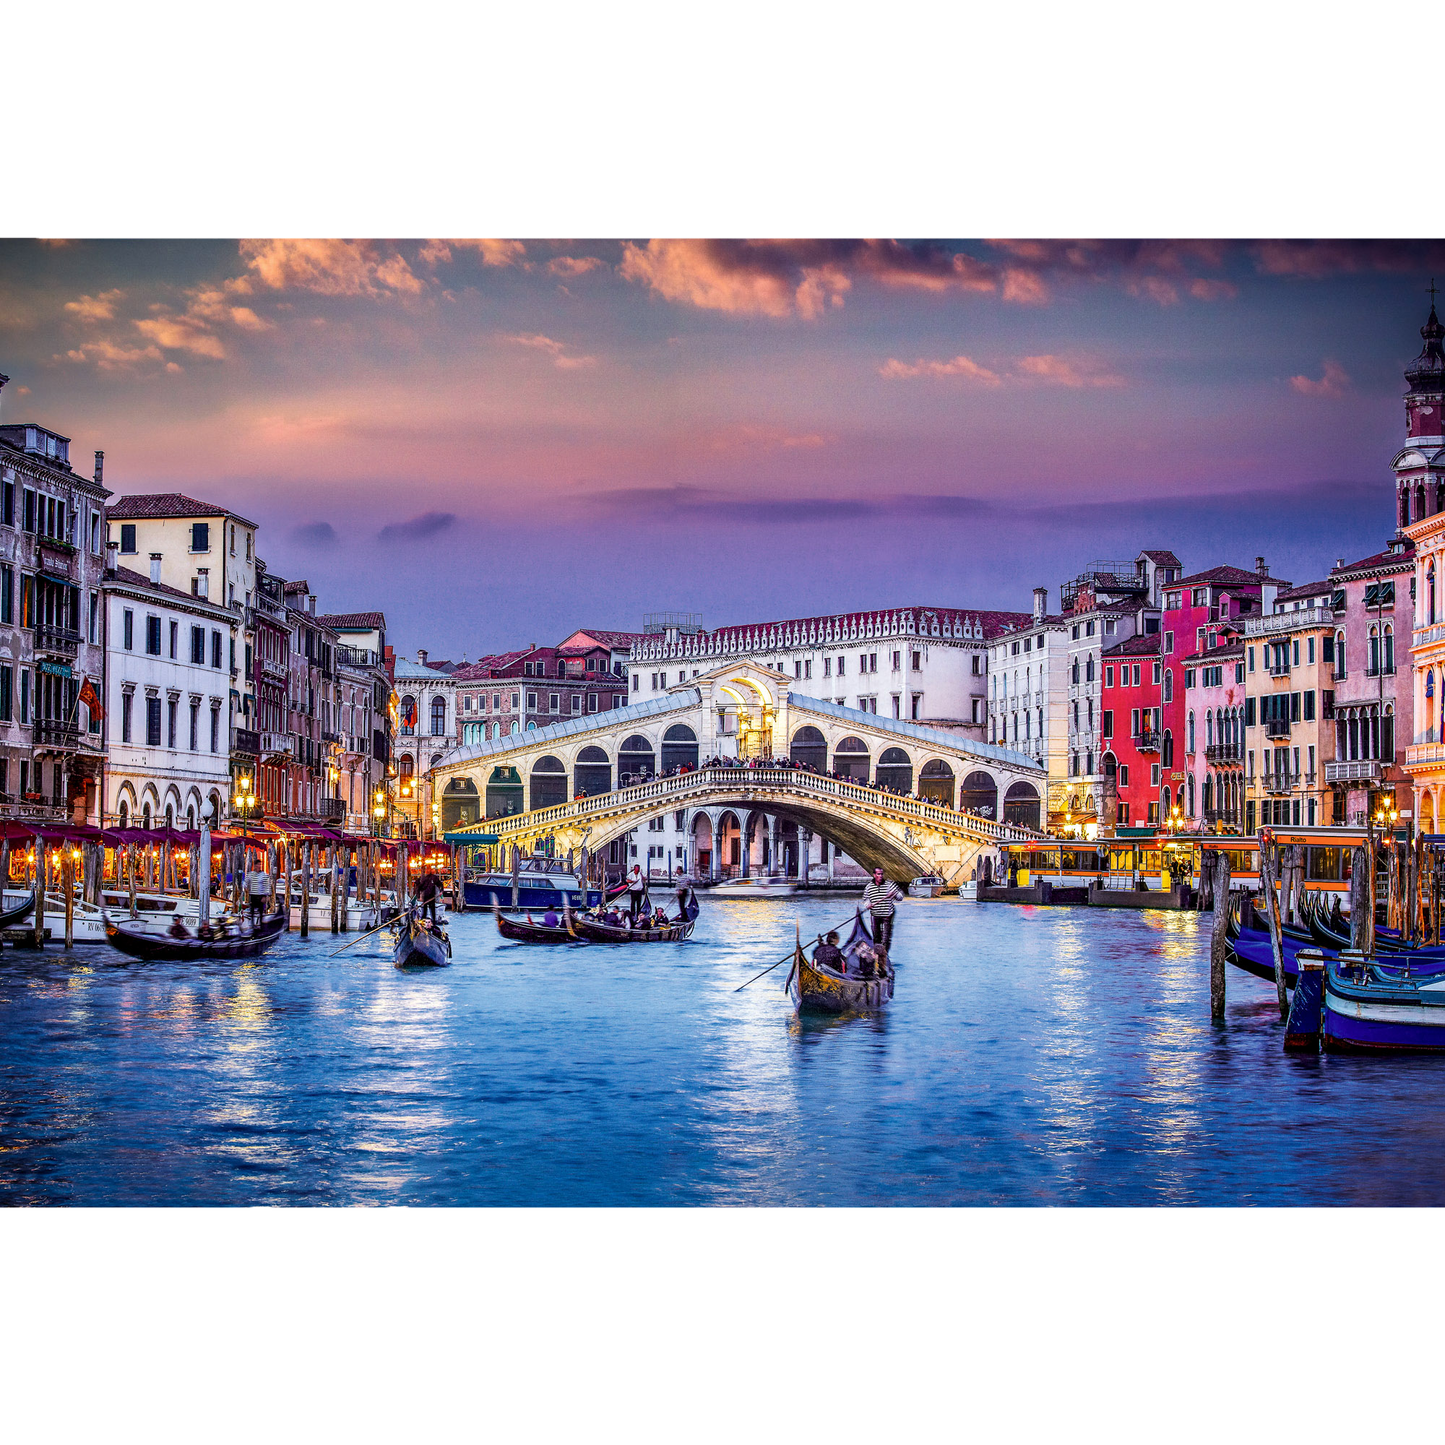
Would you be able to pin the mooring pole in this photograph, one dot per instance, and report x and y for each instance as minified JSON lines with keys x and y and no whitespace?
{"x":1219,"y":940}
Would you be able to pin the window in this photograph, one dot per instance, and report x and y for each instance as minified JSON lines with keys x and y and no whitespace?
{"x":216,"y":650}
{"x":128,"y":629}
{"x":215,"y":728}
{"x":636,"y":681}
{"x":175,"y":632}
{"x":1110,"y":627}
{"x":531,"y":702}
{"x":438,"y":716}
{"x":918,"y":662}
{"x":1309,"y":649}
{"x":171,"y":706}
{"x":842,"y":661}
{"x":95,"y":533}
{"x":127,"y":536}
{"x":7,"y":513}
{"x":200,"y":536}
{"x":27,"y":600}
{"x":198,"y":646}
{"x":1168,"y":642}
{"x":1134,"y":722}
{"x":6,"y":687}
{"x":153,"y":636}
{"x":195,"y":727}
{"x":1124,"y":780}
{"x":1108,"y":723}
{"x":1309,"y":706}
{"x":29,"y":514}
{"x":153,"y":722}
{"x":1108,"y":677}
{"x":897,"y":661}
{"x":7,"y":593}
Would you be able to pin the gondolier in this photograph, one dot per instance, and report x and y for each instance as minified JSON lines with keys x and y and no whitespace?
{"x":258,"y":891}
{"x":879,"y":897}
{"x":636,"y":888}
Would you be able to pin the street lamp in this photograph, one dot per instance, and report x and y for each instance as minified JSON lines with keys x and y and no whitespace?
{"x":244,"y":802}
{"x":378,"y":812}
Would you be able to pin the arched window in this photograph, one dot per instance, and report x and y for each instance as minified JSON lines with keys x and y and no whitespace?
{"x":895,"y":770}
{"x":592,"y":772}
{"x":124,"y":814}
{"x":1166,"y":758}
{"x":1089,"y":712}
{"x":1168,"y":801}
{"x":850,"y":757}
{"x":1168,"y":684}
{"x":405,"y":767}
{"x":408,"y":716}
{"x":504,"y":792}
{"x":1339,"y":654}
{"x":438,"y":716}
{"x":461,"y":804}
{"x":1430,"y":593}
{"x":1189,"y":787}
{"x":1374,"y":667}
{"x":1021,"y":805}
{"x":1208,"y":731}
{"x":1089,"y":668}
{"x":935,"y":782}
{"x":679,"y":748}
{"x":1389,"y":648}
{"x":1208,"y":791}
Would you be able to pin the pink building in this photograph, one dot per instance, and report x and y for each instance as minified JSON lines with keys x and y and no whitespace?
{"x":1214,"y":733}
{"x":1374,"y":719}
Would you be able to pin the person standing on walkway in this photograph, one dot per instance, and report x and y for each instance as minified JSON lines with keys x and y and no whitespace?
{"x":879,"y":897}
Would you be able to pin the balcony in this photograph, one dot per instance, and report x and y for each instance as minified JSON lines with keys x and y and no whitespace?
{"x":56,"y":641}
{"x":1275,"y":622}
{"x":331,"y":810}
{"x":1278,"y":669}
{"x":1427,"y":755}
{"x":1423,"y":636}
{"x":1358,"y":770}
{"x":1281,"y":781}
{"x":51,"y":732}
{"x":273,"y":669}
{"x":1276,"y":727}
{"x":1147,"y":743}
{"x":1223,"y":753}
{"x":275,"y":745}
{"x":243,"y":740}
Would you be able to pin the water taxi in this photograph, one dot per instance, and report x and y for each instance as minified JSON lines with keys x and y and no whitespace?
{"x":754,"y":887}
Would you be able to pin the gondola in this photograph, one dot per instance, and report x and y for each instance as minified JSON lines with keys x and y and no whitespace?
{"x":14,"y":917}
{"x":812,"y":987}
{"x":526,"y":931}
{"x":420,"y":943}
{"x":673,"y":931}
{"x":129,"y":938}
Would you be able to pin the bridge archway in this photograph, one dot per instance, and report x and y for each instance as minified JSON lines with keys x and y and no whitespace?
{"x":1021,"y":805}
{"x":679,"y":748}
{"x":636,"y":761}
{"x":703,"y":845}
{"x":729,"y":842}
{"x":549,"y":782}
{"x":979,"y":794}
{"x":504,"y":792}
{"x":895,"y":770}
{"x":809,"y":749}
{"x":851,"y":759}
{"x":935,"y":782}
{"x":592,"y":772}
{"x":461,"y":804}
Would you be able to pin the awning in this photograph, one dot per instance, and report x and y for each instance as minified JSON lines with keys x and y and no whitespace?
{"x":469,"y":838}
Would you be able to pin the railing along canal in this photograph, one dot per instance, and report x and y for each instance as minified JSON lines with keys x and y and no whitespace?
{"x":744,"y":783}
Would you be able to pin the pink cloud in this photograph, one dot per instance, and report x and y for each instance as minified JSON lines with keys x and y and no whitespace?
{"x":1314,"y":260}
{"x":95,"y":308}
{"x":108,"y":356}
{"x":1204,"y":290}
{"x":959,"y":366}
{"x":182,"y":333}
{"x":493,"y":253}
{"x":573,"y":265}
{"x":329,"y":267}
{"x":1025,"y":287}
{"x":557,"y":350}
{"x":1334,"y":382}
{"x":1079,"y":371}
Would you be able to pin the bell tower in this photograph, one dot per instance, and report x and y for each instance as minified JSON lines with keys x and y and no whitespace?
{"x":1420,"y":467}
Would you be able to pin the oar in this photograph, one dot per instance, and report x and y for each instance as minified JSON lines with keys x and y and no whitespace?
{"x":784,"y":958}
{"x":360,"y":936}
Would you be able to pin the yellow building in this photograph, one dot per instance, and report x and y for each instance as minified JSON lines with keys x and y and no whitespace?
{"x":1289,"y":732}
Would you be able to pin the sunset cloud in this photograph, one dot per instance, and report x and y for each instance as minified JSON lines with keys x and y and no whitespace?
{"x":1079,"y":371}
{"x":95,"y":308}
{"x":331,"y":268}
{"x":1334,"y":382}
{"x":960,"y":366}
{"x":784,"y":278}
{"x":108,"y":356}
{"x":557,"y":350}
{"x":573,"y":265}
{"x":182,"y":333}
{"x":418,"y":529}
{"x":492,"y":252}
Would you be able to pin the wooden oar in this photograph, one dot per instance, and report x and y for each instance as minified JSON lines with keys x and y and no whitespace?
{"x":785,"y":957}
{"x":360,"y":936}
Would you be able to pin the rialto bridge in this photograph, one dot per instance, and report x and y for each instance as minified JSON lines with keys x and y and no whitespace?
{"x":701,"y":752}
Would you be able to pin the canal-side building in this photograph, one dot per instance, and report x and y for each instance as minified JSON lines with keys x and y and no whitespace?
{"x":271,"y":668}
{"x":1028,"y":692}
{"x":919,"y":664}
{"x":1288,"y":708}
{"x":52,"y":532}
{"x":208,"y":551}
{"x":1129,"y":731}
{"x":311,"y":697}
{"x":426,"y":736}
{"x":166,"y":690}
{"x":360,"y":753}
{"x":1373,"y":701}
{"x":1213,"y":708}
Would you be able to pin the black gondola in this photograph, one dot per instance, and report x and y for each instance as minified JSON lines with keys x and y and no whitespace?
{"x":246,"y":944}
{"x":420,"y":943}
{"x":812,"y":986}
{"x":14,"y":917}
{"x":526,"y":931}
{"x":673,"y":931}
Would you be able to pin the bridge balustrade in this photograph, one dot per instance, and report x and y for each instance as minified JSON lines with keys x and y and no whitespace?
{"x":671,"y":790}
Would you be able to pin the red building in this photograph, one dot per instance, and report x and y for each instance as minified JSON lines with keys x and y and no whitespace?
{"x":1130,"y":708}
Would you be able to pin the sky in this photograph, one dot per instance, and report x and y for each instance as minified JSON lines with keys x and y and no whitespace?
{"x":497,"y":441}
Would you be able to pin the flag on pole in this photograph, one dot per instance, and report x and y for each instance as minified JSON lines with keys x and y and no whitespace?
{"x":91,"y":699}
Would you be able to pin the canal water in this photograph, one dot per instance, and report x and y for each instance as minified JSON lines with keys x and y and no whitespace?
{"x":1030,"y":1056}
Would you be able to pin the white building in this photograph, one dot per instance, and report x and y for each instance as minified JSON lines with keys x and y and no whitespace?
{"x":168,"y":685}
{"x":426,"y":733}
{"x":921,"y":664}
{"x":1028,"y":689}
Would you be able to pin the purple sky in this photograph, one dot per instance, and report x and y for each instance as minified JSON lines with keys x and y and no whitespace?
{"x":495,"y":442}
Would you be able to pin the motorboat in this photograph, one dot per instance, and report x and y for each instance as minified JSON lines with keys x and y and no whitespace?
{"x":930,"y":885}
{"x":754,"y":887}
{"x":359,"y":916}
{"x":542,"y":883}
{"x":968,"y":890}
{"x":88,"y":922}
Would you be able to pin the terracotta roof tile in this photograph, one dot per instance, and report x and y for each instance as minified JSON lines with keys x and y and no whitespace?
{"x":151,"y":505}
{"x":350,"y":620}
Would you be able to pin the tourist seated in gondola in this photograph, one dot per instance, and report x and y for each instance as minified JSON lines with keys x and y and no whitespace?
{"x":550,"y":919}
{"x":829,"y":955}
{"x":177,"y":928}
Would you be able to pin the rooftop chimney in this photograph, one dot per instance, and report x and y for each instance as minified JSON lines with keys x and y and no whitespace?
{"x":1339,"y":562}
{"x":155,"y":566}
{"x":1041,"y":603}
{"x":1260,"y":567}
{"x":311,"y":603}
{"x":99,"y":469}
{"x":111,"y":559}
{"x":421,"y":657}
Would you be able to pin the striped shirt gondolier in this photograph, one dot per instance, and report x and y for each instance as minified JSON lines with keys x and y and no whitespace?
{"x":878,"y":898}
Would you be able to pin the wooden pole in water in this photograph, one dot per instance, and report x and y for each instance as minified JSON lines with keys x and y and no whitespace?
{"x":1271,"y":852}
{"x":1219,"y":940}
{"x":39,"y":892}
{"x":335,"y":890}
{"x":67,"y":875}
{"x":306,"y":890}
{"x":1359,"y":882}
{"x":289,"y":847}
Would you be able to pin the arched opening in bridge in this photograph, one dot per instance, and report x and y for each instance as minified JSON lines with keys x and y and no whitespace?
{"x":636,"y":762}
{"x":504,"y":792}
{"x":895,"y":770}
{"x":809,"y":749}
{"x":979,"y":794}
{"x":549,"y":782}
{"x":702,"y":845}
{"x":461,"y":804}
{"x":1021,"y":805}
{"x":679,"y":748}
{"x":935,"y":782}
{"x":757,"y":846}
{"x":850,"y":759}
{"x":592,"y":773}
{"x":729,"y":844}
